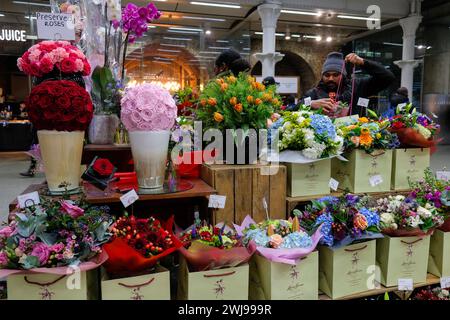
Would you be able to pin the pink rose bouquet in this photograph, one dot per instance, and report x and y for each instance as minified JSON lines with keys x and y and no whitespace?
{"x":148,"y":107}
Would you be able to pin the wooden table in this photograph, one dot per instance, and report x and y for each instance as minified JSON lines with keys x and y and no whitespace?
{"x":181,"y":204}
{"x":119,"y":156}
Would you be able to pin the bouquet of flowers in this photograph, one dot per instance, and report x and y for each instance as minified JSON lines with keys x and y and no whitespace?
{"x":437,"y":293}
{"x":281,"y":241}
{"x":53,"y":234}
{"x":236,"y":102}
{"x":343,"y":219}
{"x":312,"y":135}
{"x":186,"y":99}
{"x":48,"y":56}
{"x":60,"y":105}
{"x":368,"y":135}
{"x":401,"y":216}
{"x":138,"y":244}
{"x":414,"y":128}
{"x":208,"y":247}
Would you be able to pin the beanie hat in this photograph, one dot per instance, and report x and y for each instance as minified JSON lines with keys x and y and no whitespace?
{"x":334,"y":62}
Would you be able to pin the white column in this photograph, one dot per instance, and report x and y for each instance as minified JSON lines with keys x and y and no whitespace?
{"x":269,"y":13}
{"x":407,"y":64}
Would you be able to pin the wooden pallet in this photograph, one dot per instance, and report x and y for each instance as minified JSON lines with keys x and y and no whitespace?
{"x":245,"y":187}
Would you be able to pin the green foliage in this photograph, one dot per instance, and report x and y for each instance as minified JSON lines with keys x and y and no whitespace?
{"x":105,"y":91}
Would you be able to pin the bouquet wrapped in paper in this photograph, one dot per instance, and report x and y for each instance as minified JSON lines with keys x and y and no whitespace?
{"x":53,"y":236}
{"x":139,"y":244}
{"x":281,"y":241}
{"x":343,"y":220}
{"x":208,"y":247}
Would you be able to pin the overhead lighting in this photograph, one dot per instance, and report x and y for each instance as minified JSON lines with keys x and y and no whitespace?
{"x":173,"y":45}
{"x":219,"y":48}
{"x":246,"y":49}
{"x":210,"y":52}
{"x":164,"y":59}
{"x":177,"y":39}
{"x":32,"y":3}
{"x":329,"y":39}
{"x":185,"y":29}
{"x":306,"y":13}
{"x":358,"y":18}
{"x":420,"y":47}
{"x":167,"y":50}
{"x":288,"y":34}
{"x":214,"y":4}
{"x":295,"y":35}
{"x":222,"y":41}
{"x":312,"y":37}
{"x":32,"y":18}
{"x":277,"y":34}
{"x":151,"y":26}
{"x":318,"y":38}
{"x":203,"y":18}
{"x":246,"y":35}
{"x":208,"y":32}
{"x":393,"y":44}
{"x":2,"y":15}
{"x":429,"y":47}
{"x":183,"y":32}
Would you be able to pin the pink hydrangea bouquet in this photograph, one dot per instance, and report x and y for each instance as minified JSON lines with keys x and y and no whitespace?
{"x":148,"y":107}
{"x":44,"y":57}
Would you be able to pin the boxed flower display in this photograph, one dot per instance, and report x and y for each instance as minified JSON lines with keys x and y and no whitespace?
{"x":403,"y":252}
{"x":51,"y":251}
{"x":367,"y":144}
{"x":347,"y":248}
{"x":307,"y":143}
{"x":133,"y":270}
{"x":285,"y":266}
{"x":213,"y":264}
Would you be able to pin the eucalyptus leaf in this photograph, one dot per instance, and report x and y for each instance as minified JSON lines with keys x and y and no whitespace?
{"x":30,"y":262}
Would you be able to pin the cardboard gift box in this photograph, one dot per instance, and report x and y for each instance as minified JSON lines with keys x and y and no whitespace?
{"x":308,"y":179}
{"x":279,"y":281}
{"x":346,"y":270}
{"x":402,"y":258}
{"x":361,"y":168}
{"x":439,"y":259}
{"x":408,"y":163}
{"x":43,"y":286}
{"x":222,"y":284}
{"x":150,"y":286}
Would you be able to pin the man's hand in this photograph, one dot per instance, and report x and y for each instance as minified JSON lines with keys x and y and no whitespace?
{"x":326,"y":104}
{"x":355,"y":59}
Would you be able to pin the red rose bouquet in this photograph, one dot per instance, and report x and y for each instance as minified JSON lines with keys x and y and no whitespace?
{"x":60,"y":105}
{"x":46,"y":56}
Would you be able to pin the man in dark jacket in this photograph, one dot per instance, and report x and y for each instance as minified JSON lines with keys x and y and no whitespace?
{"x":335,"y":86}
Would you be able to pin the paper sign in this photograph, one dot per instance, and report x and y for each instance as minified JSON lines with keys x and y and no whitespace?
{"x":29,"y":199}
{"x":333,"y":184}
{"x":375,"y":180}
{"x":363,"y":102}
{"x":307,"y":101}
{"x":443,"y":175}
{"x":216,"y":201}
{"x":405,"y":284}
{"x":401,"y":106}
{"x":445,"y":282}
{"x":129,"y":198}
{"x":55,"y":26}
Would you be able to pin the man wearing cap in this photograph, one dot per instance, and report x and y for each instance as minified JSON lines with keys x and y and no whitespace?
{"x":269,"y":81}
{"x":335,"y":86}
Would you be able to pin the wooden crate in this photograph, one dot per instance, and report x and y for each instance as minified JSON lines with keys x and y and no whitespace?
{"x":245,"y":186}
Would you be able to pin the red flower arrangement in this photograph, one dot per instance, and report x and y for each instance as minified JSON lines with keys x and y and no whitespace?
{"x":60,"y":105}
{"x":139,"y":244}
{"x":103,"y":167}
{"x":43,"y":57}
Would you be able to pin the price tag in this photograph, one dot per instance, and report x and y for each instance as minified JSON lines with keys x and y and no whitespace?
{"x":29,"y":199}
{"x":405,"y":284}
{"x":375,"y":180}
{"x":445,"y":282}
{"x":216,"y":201}
{"x":307,"y":101}
{"x":333,"y":184}
{"x":129,"y":198}
{"x":401,"y":106}
{"x":363,"y":102}
{"x":443,"y":175}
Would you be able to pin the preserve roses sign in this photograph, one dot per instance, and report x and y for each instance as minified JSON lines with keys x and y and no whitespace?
{"x":55,"y":26}
{"x":13,"y":35}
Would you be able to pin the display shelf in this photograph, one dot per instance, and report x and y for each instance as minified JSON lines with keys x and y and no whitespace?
{"x":431,"y":280}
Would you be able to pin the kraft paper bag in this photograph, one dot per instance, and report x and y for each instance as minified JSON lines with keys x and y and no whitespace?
{"x":221,"y":284}
{"x":356,"y":173}
{"x":402,"y":258}
{"x":439,"y":259}
{"x":308,"y":179}
{"x":278,"y":281}
{"x":411,"y":163}
{"x":347,"y":270}
{"x":151,"y":286}
{"x":43,"y":286}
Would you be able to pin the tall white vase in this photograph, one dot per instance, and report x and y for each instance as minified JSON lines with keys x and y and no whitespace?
{"x":149,"y":149}
{"x":61,"y":153}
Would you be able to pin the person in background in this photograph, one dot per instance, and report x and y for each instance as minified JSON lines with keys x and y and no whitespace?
{"x":230,"y":61}
{"x":269,"y":81}
{"x":290,"y":103}
{"x":334,"y":85}
{"x":398,"y":97}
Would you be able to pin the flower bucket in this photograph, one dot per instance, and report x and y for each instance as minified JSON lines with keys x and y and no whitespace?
{"x":103,"y":128}
{"x":149,"y":149}
{"x":61,"y":153}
